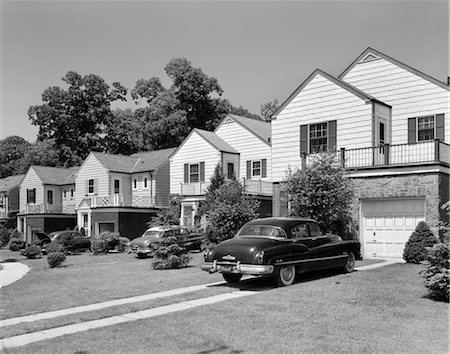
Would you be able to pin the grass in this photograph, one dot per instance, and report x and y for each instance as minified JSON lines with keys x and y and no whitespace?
{"x":384,"y":310}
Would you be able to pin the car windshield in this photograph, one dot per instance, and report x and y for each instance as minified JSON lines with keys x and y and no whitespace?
{"x":152,"y":233}
{"x":261,"y":231}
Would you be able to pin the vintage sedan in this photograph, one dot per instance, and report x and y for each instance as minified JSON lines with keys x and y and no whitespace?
{"x":280,"y":248}
{"x":78,"y":241}
{"x":144,"y":246}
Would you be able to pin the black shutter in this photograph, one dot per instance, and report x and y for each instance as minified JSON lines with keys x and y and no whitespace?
{"x":332,"y":132}
{"x":412,"y":131}
{"x":303,"y":139}
{"x":249,"y":169}
{"x":264,"y":168}
{"x":440,"y":127}
{"x":202,"y":172}
{"x":186,"y":173}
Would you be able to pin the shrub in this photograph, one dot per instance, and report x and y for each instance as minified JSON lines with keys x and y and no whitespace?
{"x":32,"y":252}
{"x":437,"y":273}
{"x":5,"y":235}
{"x":170,"y":255}
{"x":55,"y":259}
{"x":98,"y":246}
{"x":53,"y":247}
{"x":67,"y":240}
{"x":416,"y":248}
{"x":123,"y":241}
{"x":16,"y":244}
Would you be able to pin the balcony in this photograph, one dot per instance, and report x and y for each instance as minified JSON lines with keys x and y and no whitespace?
{"x":197,"y":188}
{"x":121,"y":200}
{"x":254,"y":187}
{"x":43,"y":208}
{"x":393,"y":155}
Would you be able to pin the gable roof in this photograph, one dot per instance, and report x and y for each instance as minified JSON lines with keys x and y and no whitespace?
{"x":11,"y":182}
{"x":258,"y":127}
{"x":370,"y":52}
{"x":55,"y":175}
{"x":151,"y":160}
{"x":353,"y":90}
{"x":215,"y":141}
{"x":116,"y":163}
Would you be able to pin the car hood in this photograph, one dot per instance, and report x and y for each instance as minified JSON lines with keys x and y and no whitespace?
{"x":144,"y":241}
{"x":243,"y":249}
{"x":42,"y":236}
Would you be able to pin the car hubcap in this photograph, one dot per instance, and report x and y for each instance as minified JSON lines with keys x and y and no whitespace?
{"x":287,"y":273}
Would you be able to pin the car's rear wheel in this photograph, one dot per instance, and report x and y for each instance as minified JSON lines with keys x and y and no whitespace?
{"x":285,"y":275}
{"x":142,"y":255}
{"x":231,"y":278}
{"x":350,"y":264}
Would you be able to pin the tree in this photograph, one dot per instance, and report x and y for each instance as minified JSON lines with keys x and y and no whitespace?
{"x":268,"y":109}
{"x":123,"y":133}
{"x":229,"y":210}
{"x":168,"y":216}
{"x":76,"y":117}
{"x":416,"y":248}
{"x":321,"y":191}
{"x":12,"y":152}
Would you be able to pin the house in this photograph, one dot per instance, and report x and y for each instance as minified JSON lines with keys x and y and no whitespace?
{"x":240,"y":145}
{"x":390,"y":125}
{"x":120,"y":193}
{"x":46,"y":201}
{"x":9,"y":197}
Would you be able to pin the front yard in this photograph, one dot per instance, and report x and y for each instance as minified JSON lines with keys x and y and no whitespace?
{"x":384,"y":310}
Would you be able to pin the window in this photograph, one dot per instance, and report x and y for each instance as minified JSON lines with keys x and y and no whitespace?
{"x":65,"y":194}
{"x":134,"y":183}
{"x":194,"y":173}
{"x":230,"y":170}
{"x":91,"y":186}
{"x":314,"y":230}
{"x":71,"y":193}
{"x":256,"y":168}
{"x":381,"y":134}
{"x":425,"y":128}
{"x":31,"y":196}
{"x":50,"y":197}
{"x":116,"y":186}
{"x":300,"y":231}
{"x":318,"y":137}
{"x":145,"y":182}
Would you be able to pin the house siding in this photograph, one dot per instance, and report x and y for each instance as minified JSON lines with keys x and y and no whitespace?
{"x":249,"y":146}
{"x":194,"y":150}
{"x":161,"y":185}
{"x":320,"y":101}
{"x":409,"y":94}
{"x":31,"y":180}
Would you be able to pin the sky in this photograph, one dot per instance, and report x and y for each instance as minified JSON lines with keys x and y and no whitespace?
{"x":258,"y":50}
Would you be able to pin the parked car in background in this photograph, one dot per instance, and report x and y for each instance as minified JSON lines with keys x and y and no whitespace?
{"x":75,"y":240}
{"x":280,"y":248}
{"x":144,"y":246}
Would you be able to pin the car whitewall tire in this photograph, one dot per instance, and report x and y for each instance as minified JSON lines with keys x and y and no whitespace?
{"x":285,"y":275}
{"x":350,"y":264}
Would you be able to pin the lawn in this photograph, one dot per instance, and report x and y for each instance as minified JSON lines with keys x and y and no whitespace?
{"x":384,"y":310}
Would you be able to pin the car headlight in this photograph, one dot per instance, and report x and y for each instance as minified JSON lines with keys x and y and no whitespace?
{"x":206,"y":254}
{"x":260,"y":257}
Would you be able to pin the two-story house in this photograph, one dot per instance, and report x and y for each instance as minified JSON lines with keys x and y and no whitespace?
{"x":46,"y":201}
{"x":390,"y":125}
{"x":240,"y":145}
{"x":9,"y":197}
{"x":120,"y":193}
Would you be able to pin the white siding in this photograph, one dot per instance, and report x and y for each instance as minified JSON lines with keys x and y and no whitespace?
{"x":410,"y":95}
{"x":161,"y":185}
{"x":91,"y":169}
{"x":248,"y":144}
{"x":31,"y":180}
{"x":194,"y":150}
{"x":230,"y":158}
{"x":319,"y":101}
{"x":140,"y":189}
{"x":124,"y":184}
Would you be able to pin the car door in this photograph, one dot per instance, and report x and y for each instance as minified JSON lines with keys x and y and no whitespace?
{"x":309,"y":235}
{"x":80,"y":242}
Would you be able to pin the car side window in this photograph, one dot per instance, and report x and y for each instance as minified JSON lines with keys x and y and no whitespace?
{"x":314,"y":230}
{"x":300,"y":231}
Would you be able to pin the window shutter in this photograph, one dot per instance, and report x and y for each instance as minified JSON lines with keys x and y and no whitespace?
{"x":186,"y":173}
{"x":264,"y":168}
{"x":86,"y":187}
{"x":249,"y":169}
{"x":440,"y":127}
{"x":332,"y":130}
{"x":303,"y":139}
{"x":202,"y":172}
{"x":96,"y":186}
{"x":28,"y":196}
{"x":412,"y":131}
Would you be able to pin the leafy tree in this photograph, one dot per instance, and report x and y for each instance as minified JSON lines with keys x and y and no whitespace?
{"x":229,"y":210}
{"x":123,"y":133}
{"x":321,"y":191}
{"x":76,"y":117}
{"x":12,"y":152}
{"x":416,"y":247}
{"x":268,"y":109}
{"x":168,"y":216}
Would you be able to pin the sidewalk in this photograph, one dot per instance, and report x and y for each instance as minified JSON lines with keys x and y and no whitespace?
{"x":12,"y":272}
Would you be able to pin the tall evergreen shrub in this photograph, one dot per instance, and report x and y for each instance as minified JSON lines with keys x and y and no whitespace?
{"x":416,"y":247}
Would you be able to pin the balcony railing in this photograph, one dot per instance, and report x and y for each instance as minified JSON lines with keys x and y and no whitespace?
{"x":43,"y":208}
{"x":197,"y":188}
{"x":256,"y":187}
{"x":122,"y":200}
{"x":388,"y":155}
{"x":3,"y":214}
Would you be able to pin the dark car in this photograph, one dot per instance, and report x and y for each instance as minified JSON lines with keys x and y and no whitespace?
{"x":143,"y":246}
{"x":77,"y":240}
{"x":280,"y":247}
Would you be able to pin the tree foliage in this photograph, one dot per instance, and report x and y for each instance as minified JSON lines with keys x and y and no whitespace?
{"x":321,"y":191}
{"x":268,"y":109}
{"x":167,"y":216}
{"x":416,"y":248}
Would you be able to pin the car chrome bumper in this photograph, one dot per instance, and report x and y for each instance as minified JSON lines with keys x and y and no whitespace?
{"x":237,"y":268}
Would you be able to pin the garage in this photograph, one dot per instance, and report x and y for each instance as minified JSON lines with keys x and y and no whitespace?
{"x":387,"y":225}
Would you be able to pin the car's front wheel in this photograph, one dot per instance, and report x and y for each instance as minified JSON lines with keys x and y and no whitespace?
{"x":232,"y":278}
{"x":285,"y":275}
{"x":142,"y":255}
{"x":350,"y":264}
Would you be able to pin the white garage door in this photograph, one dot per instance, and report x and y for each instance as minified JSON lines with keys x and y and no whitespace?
{"x":387,"y":225}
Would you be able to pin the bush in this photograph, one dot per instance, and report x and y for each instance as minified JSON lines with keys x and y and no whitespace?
{"x":5,"y":235}
{"x":16,"y":244}
{"x":55,"y":259}
{"x":68,"y":241}
{"x":170,"y":255}
{"x":108,"y":241}
{"x":416,"y":248}
{"x":32,"y":252}
{"x":54,"y":247}
{"x":437,"y":273}
{"x":123,"y":241}
{"x":98,"y":246}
